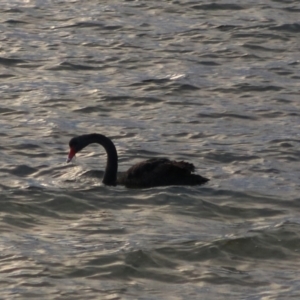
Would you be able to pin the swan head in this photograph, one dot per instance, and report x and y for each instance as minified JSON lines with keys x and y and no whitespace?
{"x":76,"y":144}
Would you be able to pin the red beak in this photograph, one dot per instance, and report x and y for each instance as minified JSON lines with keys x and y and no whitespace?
{"x":71,"y":155}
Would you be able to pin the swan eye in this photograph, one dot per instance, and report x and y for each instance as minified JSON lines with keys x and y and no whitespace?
{"x":73,"y":143}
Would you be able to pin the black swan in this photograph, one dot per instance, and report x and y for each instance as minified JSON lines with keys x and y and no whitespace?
{"x":148,"y":173}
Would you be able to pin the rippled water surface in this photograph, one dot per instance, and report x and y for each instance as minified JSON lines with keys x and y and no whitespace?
{"x":215,"y":83}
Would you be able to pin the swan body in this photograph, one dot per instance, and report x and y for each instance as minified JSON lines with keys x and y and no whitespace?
{"x":148,"y":173}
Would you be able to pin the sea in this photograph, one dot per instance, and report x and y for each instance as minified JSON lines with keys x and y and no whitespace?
{"x":214,"y":83}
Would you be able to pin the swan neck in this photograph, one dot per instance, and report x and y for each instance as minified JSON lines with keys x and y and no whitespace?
{"x":110,"y":175}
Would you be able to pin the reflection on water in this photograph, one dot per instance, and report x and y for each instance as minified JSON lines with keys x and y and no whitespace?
{"x":215,"y":84}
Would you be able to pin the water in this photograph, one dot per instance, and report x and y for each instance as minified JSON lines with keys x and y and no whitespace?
{"x":213,"y":83}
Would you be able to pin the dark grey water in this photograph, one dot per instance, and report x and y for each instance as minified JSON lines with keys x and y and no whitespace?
{"x":215,"y":83}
